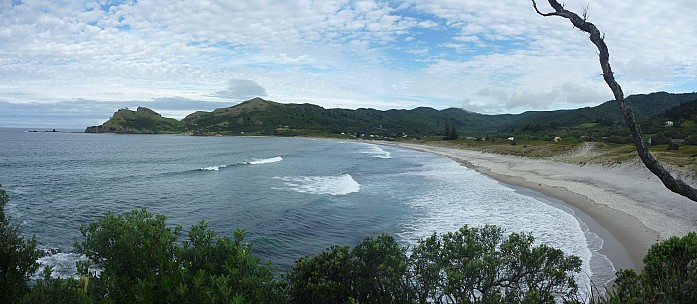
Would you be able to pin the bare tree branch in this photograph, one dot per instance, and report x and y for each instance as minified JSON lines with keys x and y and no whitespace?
{"x":675,"y":185}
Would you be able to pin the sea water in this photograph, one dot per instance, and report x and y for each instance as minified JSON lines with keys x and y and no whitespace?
{"x":293,"y":196}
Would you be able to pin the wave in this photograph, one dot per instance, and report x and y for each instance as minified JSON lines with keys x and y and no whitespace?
{"x":376,"y":151}
{"x":266,"y":161}
{"x":455,"y":198}
{"x":213,"y":168}
{"x":343,"y":184}
{"x":252,"y":162}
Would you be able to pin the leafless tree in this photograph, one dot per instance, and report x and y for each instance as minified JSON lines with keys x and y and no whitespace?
{"x":672,"y":183}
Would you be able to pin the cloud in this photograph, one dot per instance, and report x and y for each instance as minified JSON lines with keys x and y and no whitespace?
{"x":242,"y":89}
{"x":565,"y":96}
{"x":80,"y":113}
{"x":346,"y":53}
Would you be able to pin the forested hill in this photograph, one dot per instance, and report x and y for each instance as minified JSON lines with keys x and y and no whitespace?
{"x":264,"y":117}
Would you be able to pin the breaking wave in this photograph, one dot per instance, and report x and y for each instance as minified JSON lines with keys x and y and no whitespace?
{"x":213,"y":168}
{"x":63,"y":264}
{"x":333,"y":185}
{"x":266,"y":161}
{"x":376,"y":151}
{"x":253,"y":162}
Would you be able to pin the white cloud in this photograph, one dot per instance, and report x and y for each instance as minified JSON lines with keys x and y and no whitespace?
{"x":343,"y":53}
{"x":242,"y":89}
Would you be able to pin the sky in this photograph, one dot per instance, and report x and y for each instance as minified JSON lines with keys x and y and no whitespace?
{"x":72,"y":63}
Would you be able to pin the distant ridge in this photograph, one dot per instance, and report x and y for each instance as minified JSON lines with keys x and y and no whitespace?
{"x":265,"y":117}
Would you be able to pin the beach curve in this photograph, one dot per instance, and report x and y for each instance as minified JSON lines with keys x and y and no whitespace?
{"x":626,"y":201}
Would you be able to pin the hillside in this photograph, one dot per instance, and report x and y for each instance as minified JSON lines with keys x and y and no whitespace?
{"x":645,"y":106}
{"x":264,"y":117}
{"x":140,"y":121}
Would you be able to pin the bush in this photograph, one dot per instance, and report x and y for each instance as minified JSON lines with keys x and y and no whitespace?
{"x":142,"y":262}
{"x":56,"y":290}
{"x":670,"y":275}
{"x":372,"y":272}
{"x":481,"y":265}
{"x":17,"y":257}
{"x":218,"y":269}
{"x":131,"y":249}
{"x":691,"y":140}
{"x":660,"y":139}
{"x":673,"y":146}
{"x":471,"y":265}
{"x":325,"y":277}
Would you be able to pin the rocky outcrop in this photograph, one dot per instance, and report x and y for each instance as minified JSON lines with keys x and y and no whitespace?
{"x":141,"y":121}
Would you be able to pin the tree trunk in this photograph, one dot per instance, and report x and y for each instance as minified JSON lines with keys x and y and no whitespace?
{"x":675,"y":185}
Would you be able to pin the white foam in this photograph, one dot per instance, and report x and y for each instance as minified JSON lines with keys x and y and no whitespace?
{"x":334,"y":185}
{"x":456,"y":199}
{"x":266,"y":160}
{"x":63,"y":264}
{"x":213,"y":168}
{"x":376,"y":151}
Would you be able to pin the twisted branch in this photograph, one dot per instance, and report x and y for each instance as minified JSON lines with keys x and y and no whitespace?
{"x":675,"y":185}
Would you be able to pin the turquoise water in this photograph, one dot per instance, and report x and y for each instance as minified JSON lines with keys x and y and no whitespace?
{"x":293,"y":196}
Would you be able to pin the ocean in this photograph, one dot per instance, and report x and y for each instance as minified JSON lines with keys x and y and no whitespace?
{"x":293,"y":196}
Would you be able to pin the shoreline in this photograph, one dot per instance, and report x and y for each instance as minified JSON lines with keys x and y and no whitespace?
{"x":625,"y":254}
{"x":624,"y":205}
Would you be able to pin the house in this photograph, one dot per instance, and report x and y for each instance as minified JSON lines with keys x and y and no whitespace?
{"x":557,"y":139}
{"x":511,"y":138}
{"x":668,"y":123}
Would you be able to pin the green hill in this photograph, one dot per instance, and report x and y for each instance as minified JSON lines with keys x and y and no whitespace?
{"x":264,"y":117}
{"x":140,"y":121}
{"x":644,"y":105}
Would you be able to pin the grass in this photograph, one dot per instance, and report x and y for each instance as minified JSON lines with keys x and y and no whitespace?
{"x":684,"y":159}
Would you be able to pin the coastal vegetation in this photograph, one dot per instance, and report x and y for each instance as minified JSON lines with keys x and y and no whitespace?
{"x":263,"y":117}
{"x":142,"y":259}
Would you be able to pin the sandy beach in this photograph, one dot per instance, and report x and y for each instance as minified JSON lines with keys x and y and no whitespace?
{"x":628,"y":206}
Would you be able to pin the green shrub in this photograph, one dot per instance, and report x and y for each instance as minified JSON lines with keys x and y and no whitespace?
{"x":323,"y":278}
{"x":670,"y":275}
{"x":17,"y":257}
{"x":471,"y":265}
{"x":481,"y":265}
{"x":142,"y":262}
{"x":219,"y":269}
{"x":56,"y":290}
{"x":691,"y":140}
{"x":137,"y":253}
{"x":380,"y":271}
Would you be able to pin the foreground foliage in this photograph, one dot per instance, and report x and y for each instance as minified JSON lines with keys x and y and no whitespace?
{"x":471,"y":265}
{"x":670,"y":275}
{"x":142,"y":260}
{"x":17,"y":257}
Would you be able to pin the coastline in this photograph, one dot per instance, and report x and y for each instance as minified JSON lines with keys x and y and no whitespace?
{"x":625,"y":205}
